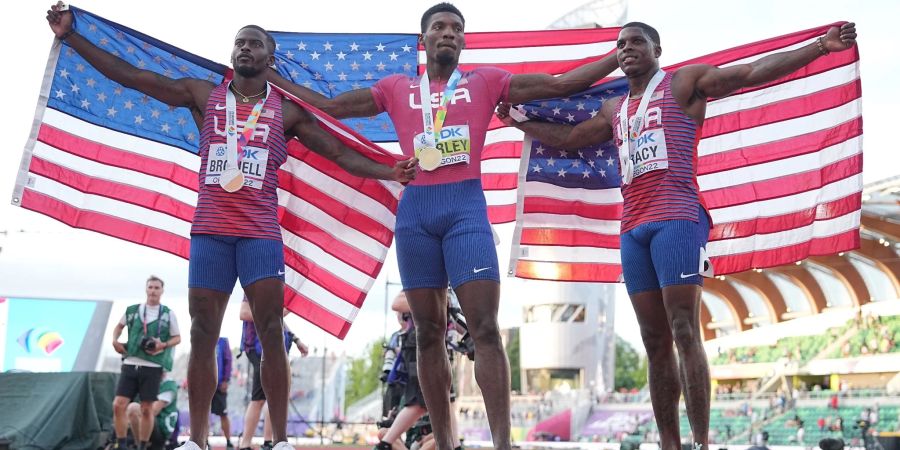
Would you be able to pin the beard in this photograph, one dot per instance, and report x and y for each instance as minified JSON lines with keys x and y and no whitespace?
{"x":445,"y":58}
{"x":247,"y":71}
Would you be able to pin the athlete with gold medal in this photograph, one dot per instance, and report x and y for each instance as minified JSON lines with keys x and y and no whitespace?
{"x":442,"y":229}
{"x":235,"y":232}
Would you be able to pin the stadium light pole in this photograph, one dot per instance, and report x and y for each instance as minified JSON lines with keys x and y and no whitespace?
{"x":387,"y":295}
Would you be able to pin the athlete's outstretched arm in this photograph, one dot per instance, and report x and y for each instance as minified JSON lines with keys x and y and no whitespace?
{"x":187,"y":92}
{"x":305,"y":126}
{"x":592,"y":131}
{"x":355,"y":103}
{"x":714,"y":82}
{"x":532,"y":86}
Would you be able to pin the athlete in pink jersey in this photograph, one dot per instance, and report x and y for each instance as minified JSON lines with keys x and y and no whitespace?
{"x":442,"y":229}
{"x":664,"y":224}
{"x":249,"y":248}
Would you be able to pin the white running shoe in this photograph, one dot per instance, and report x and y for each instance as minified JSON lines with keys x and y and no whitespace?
{"x":283,"y":445}
{"x":189,"y":445}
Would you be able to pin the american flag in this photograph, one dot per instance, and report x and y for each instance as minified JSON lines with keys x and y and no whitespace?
{"x":335,"y":63}
{"x":779,"y":166}
{"x":110,"y":159}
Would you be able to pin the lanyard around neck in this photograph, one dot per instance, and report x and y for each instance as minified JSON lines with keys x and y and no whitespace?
{"x":235,"y":142}
{"x":628,"y":134}
{"x":432,"y":125}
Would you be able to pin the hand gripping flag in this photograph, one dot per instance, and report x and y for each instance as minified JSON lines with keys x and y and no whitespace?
{"x":779,"y":166}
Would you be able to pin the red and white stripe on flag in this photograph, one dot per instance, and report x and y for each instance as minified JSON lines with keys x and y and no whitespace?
{"x":337,"y":228}
{"x":779,"y":167}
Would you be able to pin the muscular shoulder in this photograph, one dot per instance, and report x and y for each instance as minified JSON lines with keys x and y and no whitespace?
{"x":292,"y":115}
{"x":200,"y":90}
{"x":392,"y":81}
{"x":610,"y":107}
{"x":684,"y":81}
{"x":489,"y":74}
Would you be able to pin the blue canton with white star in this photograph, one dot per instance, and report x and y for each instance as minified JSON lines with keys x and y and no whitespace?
{"x":335,"y":63}
{"x":81,"y":91}
{"x":594,"y":167}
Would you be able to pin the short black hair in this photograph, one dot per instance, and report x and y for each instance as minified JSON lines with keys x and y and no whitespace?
{"x":440,"y":7}
{"x":270,"y":41}
{"x":648,"y":30}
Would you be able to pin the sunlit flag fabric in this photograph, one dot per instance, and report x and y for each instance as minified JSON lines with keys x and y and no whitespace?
{"x":335,"y":63}
{"x":110,"y":159}
{"x":779,"y":167}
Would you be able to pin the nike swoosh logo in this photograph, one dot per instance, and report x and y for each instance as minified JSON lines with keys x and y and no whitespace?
{"x":688,"y":275}
{"x":280,"y":272}
{"x":219,"y":107}
{"x":474,"y":270}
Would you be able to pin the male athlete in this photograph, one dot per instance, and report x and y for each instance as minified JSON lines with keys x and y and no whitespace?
{"x":442,"y":227}
{"x":665,"y":225}
{"x":235,"y":232}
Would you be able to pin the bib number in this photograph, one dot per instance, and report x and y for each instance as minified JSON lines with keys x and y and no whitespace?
{"x":253,"y":165}
{"x":649,"y":152}
{"x":454,"y":145}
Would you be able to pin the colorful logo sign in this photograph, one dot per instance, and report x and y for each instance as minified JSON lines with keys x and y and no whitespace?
{"x":40,"y":339}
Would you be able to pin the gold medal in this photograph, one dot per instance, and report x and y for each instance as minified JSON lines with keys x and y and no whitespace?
{"x":429,"y":158}
{"x":232,"y":180}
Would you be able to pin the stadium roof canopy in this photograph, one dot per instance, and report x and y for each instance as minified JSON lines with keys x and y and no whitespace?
{"x":846,"y":280}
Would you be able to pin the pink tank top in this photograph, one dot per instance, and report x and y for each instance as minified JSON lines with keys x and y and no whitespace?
{"x":468,"y":114}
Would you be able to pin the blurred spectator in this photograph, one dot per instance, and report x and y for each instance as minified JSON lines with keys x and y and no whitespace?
{"x":831,"y":444}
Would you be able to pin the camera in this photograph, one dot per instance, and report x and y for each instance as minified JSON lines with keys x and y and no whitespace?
{"x":148,"y":344}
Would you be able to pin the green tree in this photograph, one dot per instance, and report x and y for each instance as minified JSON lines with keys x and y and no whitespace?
{"x":631,"y":367}
{"x":512,"y":353}
{"x":362,"y":377}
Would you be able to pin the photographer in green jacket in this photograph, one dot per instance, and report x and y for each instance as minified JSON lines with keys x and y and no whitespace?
{"x":152,"y":332}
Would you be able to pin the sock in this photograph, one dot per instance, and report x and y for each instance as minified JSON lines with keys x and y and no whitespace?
{"x":381,"y":445}
{"x":121,"y":442}
{"x":144,"y":445}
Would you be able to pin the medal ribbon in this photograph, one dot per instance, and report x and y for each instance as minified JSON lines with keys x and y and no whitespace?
{"x":433,"y":123}
{"x":633,"y":133}
{"x":235,"y":143}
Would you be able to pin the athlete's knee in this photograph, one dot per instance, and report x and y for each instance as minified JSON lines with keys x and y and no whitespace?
{"x":429,"y":334}
{"x":271,"y":333}
{"x":656,"y":342}
{"x":486,"y":334}
{"x":203,"y":337}
{"x":684,"y":331}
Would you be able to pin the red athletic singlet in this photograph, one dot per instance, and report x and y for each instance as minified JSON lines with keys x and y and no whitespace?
{"x":252,"y":211}
{"x":665,"y":159}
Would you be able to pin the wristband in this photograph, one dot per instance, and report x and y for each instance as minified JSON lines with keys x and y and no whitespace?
{"x":821,"y":45}
{"x":67,"y":34}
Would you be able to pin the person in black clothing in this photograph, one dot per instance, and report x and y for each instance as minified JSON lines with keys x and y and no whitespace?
{"x":412,"y":403}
